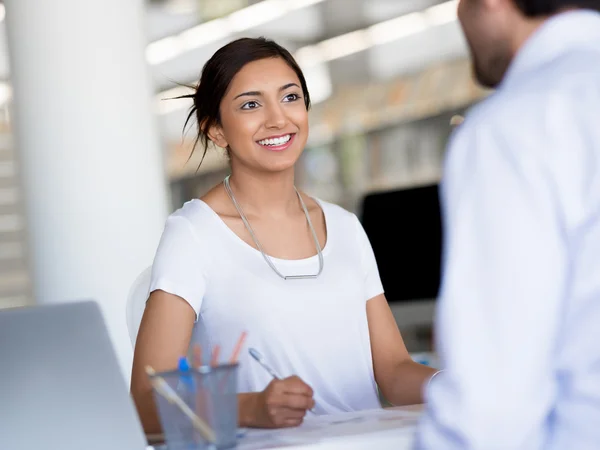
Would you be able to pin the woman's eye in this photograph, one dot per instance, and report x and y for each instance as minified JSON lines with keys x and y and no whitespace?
{"x":250,"y":105}
{"x":291,"y":97}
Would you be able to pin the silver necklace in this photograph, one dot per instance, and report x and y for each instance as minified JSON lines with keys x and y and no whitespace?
{"x":257,"y":243}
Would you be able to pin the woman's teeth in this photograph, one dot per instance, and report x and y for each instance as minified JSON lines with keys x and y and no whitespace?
{"x":276,"y":141}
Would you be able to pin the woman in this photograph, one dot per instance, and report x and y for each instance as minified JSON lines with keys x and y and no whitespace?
{"x":255,"y":255}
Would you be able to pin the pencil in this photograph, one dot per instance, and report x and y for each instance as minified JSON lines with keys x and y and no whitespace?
{"x":234,"y":358}
{"x":214,"y":361}
{"x":238,"y":348}
{"x":162,"y":387}
{"x":196,"y":356}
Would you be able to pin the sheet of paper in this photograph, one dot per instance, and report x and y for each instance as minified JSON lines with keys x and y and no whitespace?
{"x":320,"y":428}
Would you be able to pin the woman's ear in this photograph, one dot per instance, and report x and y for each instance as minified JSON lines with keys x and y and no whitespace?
{"x":215,"y":134}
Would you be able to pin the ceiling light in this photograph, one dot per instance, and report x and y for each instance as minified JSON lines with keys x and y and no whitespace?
{"x":349,"y":43}
{"x":442,"y":13}
{"x":305,"y":3}
{"x":256,"y":15}
{"x":394,"y":29}
{"x":308,"y":56}
{"x":380,"y":33}
{"x":196,"y":36}
{"x":344,"y":45}
{"x":163,"y":50}
{"x":239,"y":21}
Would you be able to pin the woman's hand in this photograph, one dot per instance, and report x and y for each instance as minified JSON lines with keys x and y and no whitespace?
{"x":282,"y":404}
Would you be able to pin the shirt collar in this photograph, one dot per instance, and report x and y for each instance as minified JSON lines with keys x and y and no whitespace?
{"x":579,"y":29}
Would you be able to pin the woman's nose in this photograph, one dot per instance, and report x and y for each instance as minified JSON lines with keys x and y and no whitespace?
{"x":276,"y":117}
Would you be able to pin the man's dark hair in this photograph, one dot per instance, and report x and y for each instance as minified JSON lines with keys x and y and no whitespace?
{"x":539,"y":8}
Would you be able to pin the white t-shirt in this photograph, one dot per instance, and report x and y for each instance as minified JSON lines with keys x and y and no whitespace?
{"x":314,"y":328}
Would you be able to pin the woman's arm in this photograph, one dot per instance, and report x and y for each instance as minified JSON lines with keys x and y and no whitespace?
{"x":164,"y":336}
{"x":399,"y":378}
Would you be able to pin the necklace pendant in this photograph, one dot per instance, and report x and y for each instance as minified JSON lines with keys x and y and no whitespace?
{"x":257,"y":242}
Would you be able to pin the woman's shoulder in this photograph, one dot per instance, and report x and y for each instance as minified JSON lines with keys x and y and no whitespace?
{"x":194,"y":216}
{"x":337,"y":217}
{"x":191,"y":210}
{"x":334,"y":210}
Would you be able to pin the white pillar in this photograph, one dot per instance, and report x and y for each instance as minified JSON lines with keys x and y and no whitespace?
{"x":89,"y":151}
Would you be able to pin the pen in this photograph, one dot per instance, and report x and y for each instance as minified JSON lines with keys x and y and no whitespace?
{"x":259,"y":359}
{"x":186,"y":380}
{"x":186,"y":385}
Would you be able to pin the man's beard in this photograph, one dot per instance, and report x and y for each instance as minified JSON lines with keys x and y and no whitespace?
{"x":491,"y":73}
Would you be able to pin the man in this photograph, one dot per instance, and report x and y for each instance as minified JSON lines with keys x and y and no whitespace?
{"x":519,"y":310}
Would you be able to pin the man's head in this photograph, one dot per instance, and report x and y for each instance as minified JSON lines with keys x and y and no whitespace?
{"x":496,"y":29}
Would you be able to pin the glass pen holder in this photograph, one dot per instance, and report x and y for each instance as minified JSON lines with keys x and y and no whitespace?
{"x":198,"y":408}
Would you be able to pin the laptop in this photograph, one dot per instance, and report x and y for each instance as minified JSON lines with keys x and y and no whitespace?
{"x":61,"y":386}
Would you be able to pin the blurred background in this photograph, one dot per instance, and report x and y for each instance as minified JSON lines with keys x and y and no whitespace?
{"x":388,"y":78}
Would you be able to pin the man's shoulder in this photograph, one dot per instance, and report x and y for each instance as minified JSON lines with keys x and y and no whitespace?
{"x":569,"y":75}
{"x":543,"y":107}
{"x":566,"y":85}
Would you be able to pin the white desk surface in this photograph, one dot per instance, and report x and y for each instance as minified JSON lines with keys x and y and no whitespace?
{"x":390,"y":428}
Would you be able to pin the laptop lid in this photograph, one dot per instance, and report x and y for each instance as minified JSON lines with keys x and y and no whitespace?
{"x":61,"y":386}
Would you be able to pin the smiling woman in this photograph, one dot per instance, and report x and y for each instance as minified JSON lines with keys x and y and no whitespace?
{"x":244,"y":81}
{"x":256,"y":255}
{"x":272,"y":116}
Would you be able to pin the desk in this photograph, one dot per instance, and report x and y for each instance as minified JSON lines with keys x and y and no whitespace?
{"x":392,"y":429}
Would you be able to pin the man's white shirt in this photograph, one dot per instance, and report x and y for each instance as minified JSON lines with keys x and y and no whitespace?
{"x":518,"y":320}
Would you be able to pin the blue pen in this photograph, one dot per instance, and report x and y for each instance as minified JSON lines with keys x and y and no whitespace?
{"x":186,"y":380}
{"x":183,"y":364}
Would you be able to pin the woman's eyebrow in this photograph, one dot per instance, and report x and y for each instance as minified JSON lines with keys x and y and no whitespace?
{"x":259,"y":93}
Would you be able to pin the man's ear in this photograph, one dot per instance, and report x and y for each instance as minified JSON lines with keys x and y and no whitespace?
{"x":215,"y":134}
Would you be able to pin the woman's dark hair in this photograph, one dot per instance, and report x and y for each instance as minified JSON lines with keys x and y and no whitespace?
{"x":217,"y":74}
{"x":540,"y":8}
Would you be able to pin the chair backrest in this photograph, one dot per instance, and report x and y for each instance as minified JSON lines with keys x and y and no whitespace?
{"x":136,"y":303}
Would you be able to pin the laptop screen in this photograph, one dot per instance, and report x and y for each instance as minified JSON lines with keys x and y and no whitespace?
{"x":404,"y":227}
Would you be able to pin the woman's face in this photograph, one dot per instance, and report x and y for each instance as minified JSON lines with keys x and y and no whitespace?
{"x":264,"y":120}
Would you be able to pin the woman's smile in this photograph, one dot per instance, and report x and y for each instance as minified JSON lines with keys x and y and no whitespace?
{"x":277,"y":143}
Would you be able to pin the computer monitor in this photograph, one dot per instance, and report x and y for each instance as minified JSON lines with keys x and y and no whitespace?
{"x":405,"y":230}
